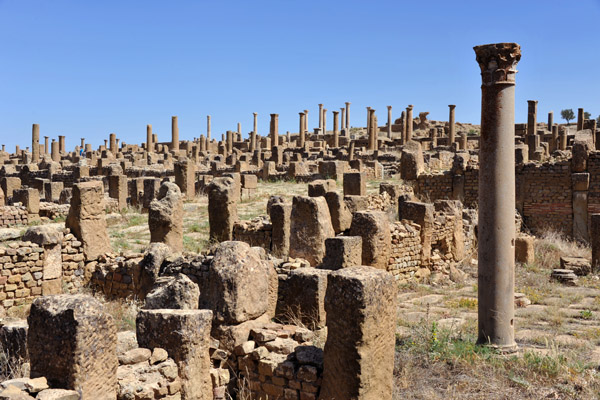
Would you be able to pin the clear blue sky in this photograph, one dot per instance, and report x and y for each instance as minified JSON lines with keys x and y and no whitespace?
{"x":89,"y":68}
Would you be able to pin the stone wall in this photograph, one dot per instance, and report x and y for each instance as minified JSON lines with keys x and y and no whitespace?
{"x":13,"y":216}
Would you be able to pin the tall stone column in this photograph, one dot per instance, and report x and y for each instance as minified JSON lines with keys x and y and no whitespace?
{"x":55,"y":151}
{"x":174,"y":134}
{"x":35,"y":143}
{"x":306,"y":120}
{"x":229,"y":142}
{"x":113,"y":143}
{"x":239,"y":131}
{"x":554,"y":142}
{"x":208,"y":128}
{"x":370,"y":129}
{"x":348,"y":117}
{"x":496,"y":237}
{"x":274,"y":130}
{"x":149,"y":145}
{"x":324,"y":128}
{"x":61,"y":144}
{"x":255,"y":122}
{"x":301,"y":131}
{"x":336,"y":131}
{"x":580,"y":118}
{"x":321,"y":117}
{"x":531,"y":117}
{"x":342,"y":120}
{"x":451,"y":124}
{"x":389,"y":124}
{"x":46,"y":146}
{"x":409,"y":122}
{"x":403,"y":127}
{"x":550,"y":120}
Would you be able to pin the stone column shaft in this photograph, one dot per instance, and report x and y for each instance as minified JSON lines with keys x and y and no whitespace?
{"x":389,"y":123}
{"x":55,"y":151}
{"x":550,"y":120}
{"x":208,"y":128}
{"x":149,"y":145}
{"x":46,"y":146}
{"x":274,"y":130}
{"x":409,"y":123}
{"x":531,"y":117}
{"x":580,"y":118}
{"x":35,"y":143}
{"x":113,"y":143}
{"x":321,"y":117}
{"x":343,"y":119}
{"x":302,"y":130}
{"x":336,"y":132}
{"x":348,"y":117}
{"x":496,"y":252}
{"x":61,"y":144}
{"x":174,"y":134}
{"x":451,"y":125}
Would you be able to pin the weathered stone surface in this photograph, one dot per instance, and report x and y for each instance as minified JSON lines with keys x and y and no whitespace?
{"x":320,"y":186}
{"x":342,"y":252}
{"x":72,"y":342}
{"x":374,"y":228}
{"x":185,"y":335}
{"x":135,"y":356}
{"x":13,"y":339}
{"x":579,"y":265}
{"x":411,"y":163}
{"x":178,"y":292}
{"x":355,"y":184}
{"x":43,"y":235}
{"x":153,"y":259}
{"x":59,"y":394}
{"x":524,"y":250}
{"x":341,"y":217}
{"x":309,"y":227}
{"x":86,"y":218}
{"x":238,"y":283}
{"x":165,"y":217}
{"x":304,"y":298}
{"x":361,"y":318}
{"x":222,"y":208}
{"x":280,"y":214}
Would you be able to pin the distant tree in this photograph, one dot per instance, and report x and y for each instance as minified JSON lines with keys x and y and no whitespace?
{"x":587,"y":115}
{"x":567,"y":115}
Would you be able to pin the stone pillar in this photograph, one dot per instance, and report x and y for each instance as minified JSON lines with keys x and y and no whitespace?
{"x":72,"y":342}
{"x":165,"y":217}
{"x":343,"y":121}
{"x":117,"y":189}
{"x":208,"y":128}
{"x":371,"y":130}
{"x":310,"y":225}
{"x":35,"y":143}
{"x":185,"y":335}
{"x":279,"y":213}
{"x":347,"y":122}
{"x":324,"y":130}
{"x":55,"y":151}
{"x":46,"y":145}
{"x":83,"y":143}
{"x":554,"y":140}
{"x":185,"y":177}
{"x":149,"y":144}
{"x":562,"y":139}
{"x":274,"y":130}
{"x":580,"y":119}
{"x":301,"y":131}
{"x":496,"y":236}
{"x":451,"y":125}
{"x":351,"y":150}
{"x":550,"y":120}
{"x":174,"y":134}
{"x":403,"y":127}
{"x":321,"y":117}
{"x":595,"y":239}
{"x":531,"y":117}
{"x":222,"y":208}
{"x":305,"y":120}
{"x":255,"y":123}
{"x":409,"y":122}
{"x":389,"y":123}
{"x":336,"y":131}
{"x":113,"y":143}
{"x":359,"y":304}
{"x":229,"y":141}
{"x":374,"y":228}
{"x":239,"y":132}
{"x":61,"y":144}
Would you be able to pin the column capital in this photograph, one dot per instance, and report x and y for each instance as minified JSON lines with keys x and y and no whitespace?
{"x":498,"y":62}
{"x":532,"y":102}
{"x":335,"y":112}
{"x":347,"y":103}
{"x":452,"y":106}
{"x":389,"y":107}
{"x":255,"y":114}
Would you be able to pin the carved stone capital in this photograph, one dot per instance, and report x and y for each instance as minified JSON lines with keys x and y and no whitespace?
{"x":498,"y":62}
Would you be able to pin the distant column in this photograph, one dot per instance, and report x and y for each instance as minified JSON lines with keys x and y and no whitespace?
{"x":580,"y":118}
{"x":336,"y":132}
{"x":113,"y":143}
{"x":239,"y":131}
{"x":321,"y":117}
{"x":35,"y":143}
{"x":301,"y":131}
{"x":229,"y":142}
{"x":554,"y":143}
{"x":174,"y":134}
{"x":531,"y":117}
{"x":324,"y":128}
{"x":496,"y":236}
{"x":342,"y":120}
{"x":348,"y":117}
{"x":389,"y":124}
{"x":409,"y":122}
{"x":55,"y":151}
{"x":550,"y":120}
{"x":371,"y":129}
{"x":451,"y":124}
{"x":403,"y":127}
{"x":305,"y":120}
{"x":255,"y":123}
{"x":149,"y":145}
{"x":208,"y":128}
{"x":274,"y":130}
{"x":61,"y":144}
{"x":46,"y":148}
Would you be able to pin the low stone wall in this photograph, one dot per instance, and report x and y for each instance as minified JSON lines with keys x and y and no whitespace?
{"x":13,"y":216}
{"x":256,"y":232}
{"x":405,"y":252}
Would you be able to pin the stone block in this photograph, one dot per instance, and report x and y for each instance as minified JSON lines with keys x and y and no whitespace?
{"x":310,"y":225}
{"x":374,"y":228}
{"x":355,"y":184}
{"x":165,"y":217}
{"x":342,"y":252}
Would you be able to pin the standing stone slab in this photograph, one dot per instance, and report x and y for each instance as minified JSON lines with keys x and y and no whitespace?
{"x":342,"y":252}
{"x":595,"y":239}
{"x":305,"y":296}
{"x":310,"y":225}
{"x":165,"y":217}
{"x":73,"y":343}
{"x":355,"y":184}
{"x":222,"y":208}
{"x":280,"y":213}
{"x":185,"y":335}
{"x":185,"y":177}
{"x":341,"y":217}
{"x":374,"y":228}
{"x":359,"y":353}
{"x":86,"y":218}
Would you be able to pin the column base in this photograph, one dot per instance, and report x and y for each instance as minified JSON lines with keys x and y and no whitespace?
{"x":502,"y":349}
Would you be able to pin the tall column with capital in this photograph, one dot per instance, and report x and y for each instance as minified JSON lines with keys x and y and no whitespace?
{"x":389,"y":124}
{"x":348,"y":117}
{"x":321,"y":117}
{"x":208,"y":128}
{"x":302,"y":130}
{"x":451,"y":125}
{"x":174,"y":134}
{"x":35,"y":143}
{"x":371,"y":130}
{"x":255,"y":123}
{"x":149,"y":145}
{"x":336,"y":131}
{"x":496,"y":236}
{"x":342,"y":119}
{"x":274,"y":130}
{"x":409,"y":122}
